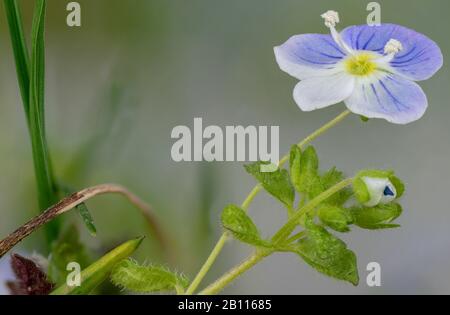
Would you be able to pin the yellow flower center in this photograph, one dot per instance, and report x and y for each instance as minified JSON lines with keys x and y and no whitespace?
{"x":361,"y":65}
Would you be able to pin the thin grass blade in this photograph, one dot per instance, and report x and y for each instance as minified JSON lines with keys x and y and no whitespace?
{"x":47,"y":192}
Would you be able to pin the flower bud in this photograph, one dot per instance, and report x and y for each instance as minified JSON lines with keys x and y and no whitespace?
{"x":374,"y":187}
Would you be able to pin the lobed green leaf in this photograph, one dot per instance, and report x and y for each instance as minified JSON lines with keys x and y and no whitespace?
{"x":328,"y":180}
{"x":309,"y":179}
{"x":328,"y":254}
{"x":276,"y":183}
{"x":241,"y":226}
{"x":295,"y":167}
{"x":335,"y":217}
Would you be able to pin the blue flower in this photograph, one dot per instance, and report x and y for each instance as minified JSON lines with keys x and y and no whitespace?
{"x":370,"y":68}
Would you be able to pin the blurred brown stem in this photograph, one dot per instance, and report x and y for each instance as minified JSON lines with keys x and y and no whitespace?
{"x":74,"y":200}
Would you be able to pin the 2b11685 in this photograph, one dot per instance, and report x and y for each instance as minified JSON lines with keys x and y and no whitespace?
{"x":246,"y":304}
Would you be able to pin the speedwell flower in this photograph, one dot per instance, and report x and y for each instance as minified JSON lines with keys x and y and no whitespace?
{"x":371,"y":68}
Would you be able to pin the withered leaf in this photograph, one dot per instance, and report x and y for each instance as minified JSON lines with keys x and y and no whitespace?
{"x":30,"y":279}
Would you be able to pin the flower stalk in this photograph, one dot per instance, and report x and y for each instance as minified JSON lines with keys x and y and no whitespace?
{"x":234,"y":273}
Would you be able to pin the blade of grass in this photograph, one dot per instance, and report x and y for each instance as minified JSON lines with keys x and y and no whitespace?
{"x":98,"y":272}
{"x":45,"y":182}
{"x":31,"y":85}
{"x":83,"y":210}
{"x":14,"y":18}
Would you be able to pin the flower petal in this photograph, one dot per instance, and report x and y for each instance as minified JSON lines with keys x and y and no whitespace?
{"x":420,"y":58}
{"x":388,"y":96}
{"x":309,"y":55}
{"x":320,"y":92}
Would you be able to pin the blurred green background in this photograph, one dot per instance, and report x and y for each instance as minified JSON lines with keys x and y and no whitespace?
{"x":136,"y":69}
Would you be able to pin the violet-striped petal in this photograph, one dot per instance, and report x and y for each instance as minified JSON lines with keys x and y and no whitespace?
{"x":420,"y":58}
{"x":388,"y":96}
{"x":309,"y":55}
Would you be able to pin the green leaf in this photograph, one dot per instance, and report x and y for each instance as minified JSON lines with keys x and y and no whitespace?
{"x":241,"y":226}
{"x":379,"y":217}
{"x":86,"y":216}
{"x":82,"y":209}
{"x":99,"y":271}
{"x":309,"y":180}
{"x":295,"y":166}
{"x":328,"y":180}
{"x":276,"y":183}
{"x":328,"y":254}
{"x":14,"y":17}
{"x":146,"y":279}
{"x":335,"y":217}
{"x":66,"y":249}
{"x":45,"y":180}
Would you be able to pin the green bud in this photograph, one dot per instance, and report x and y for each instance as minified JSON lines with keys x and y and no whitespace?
{"x":374,"y":187}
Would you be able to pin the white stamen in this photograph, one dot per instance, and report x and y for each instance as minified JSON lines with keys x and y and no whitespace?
{"x":331,"y":18}
{"x":393,"y":46}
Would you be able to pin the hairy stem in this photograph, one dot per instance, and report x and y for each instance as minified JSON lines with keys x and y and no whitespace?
{"x":230,"y":276}
{"x":71,"y":202}
{"x":222,"y":241}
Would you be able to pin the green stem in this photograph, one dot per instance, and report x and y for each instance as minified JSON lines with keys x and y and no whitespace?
{"x":318,"y":133}
{"x":219,"y":246}
{"x":296,"y":237}
{"x":222,"y":241}
{"x":230,"y":276}
{"x":292,"y":223}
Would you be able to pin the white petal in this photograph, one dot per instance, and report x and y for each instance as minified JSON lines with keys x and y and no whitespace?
{"x":375,"y":186}
{"x":320,"y":92}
